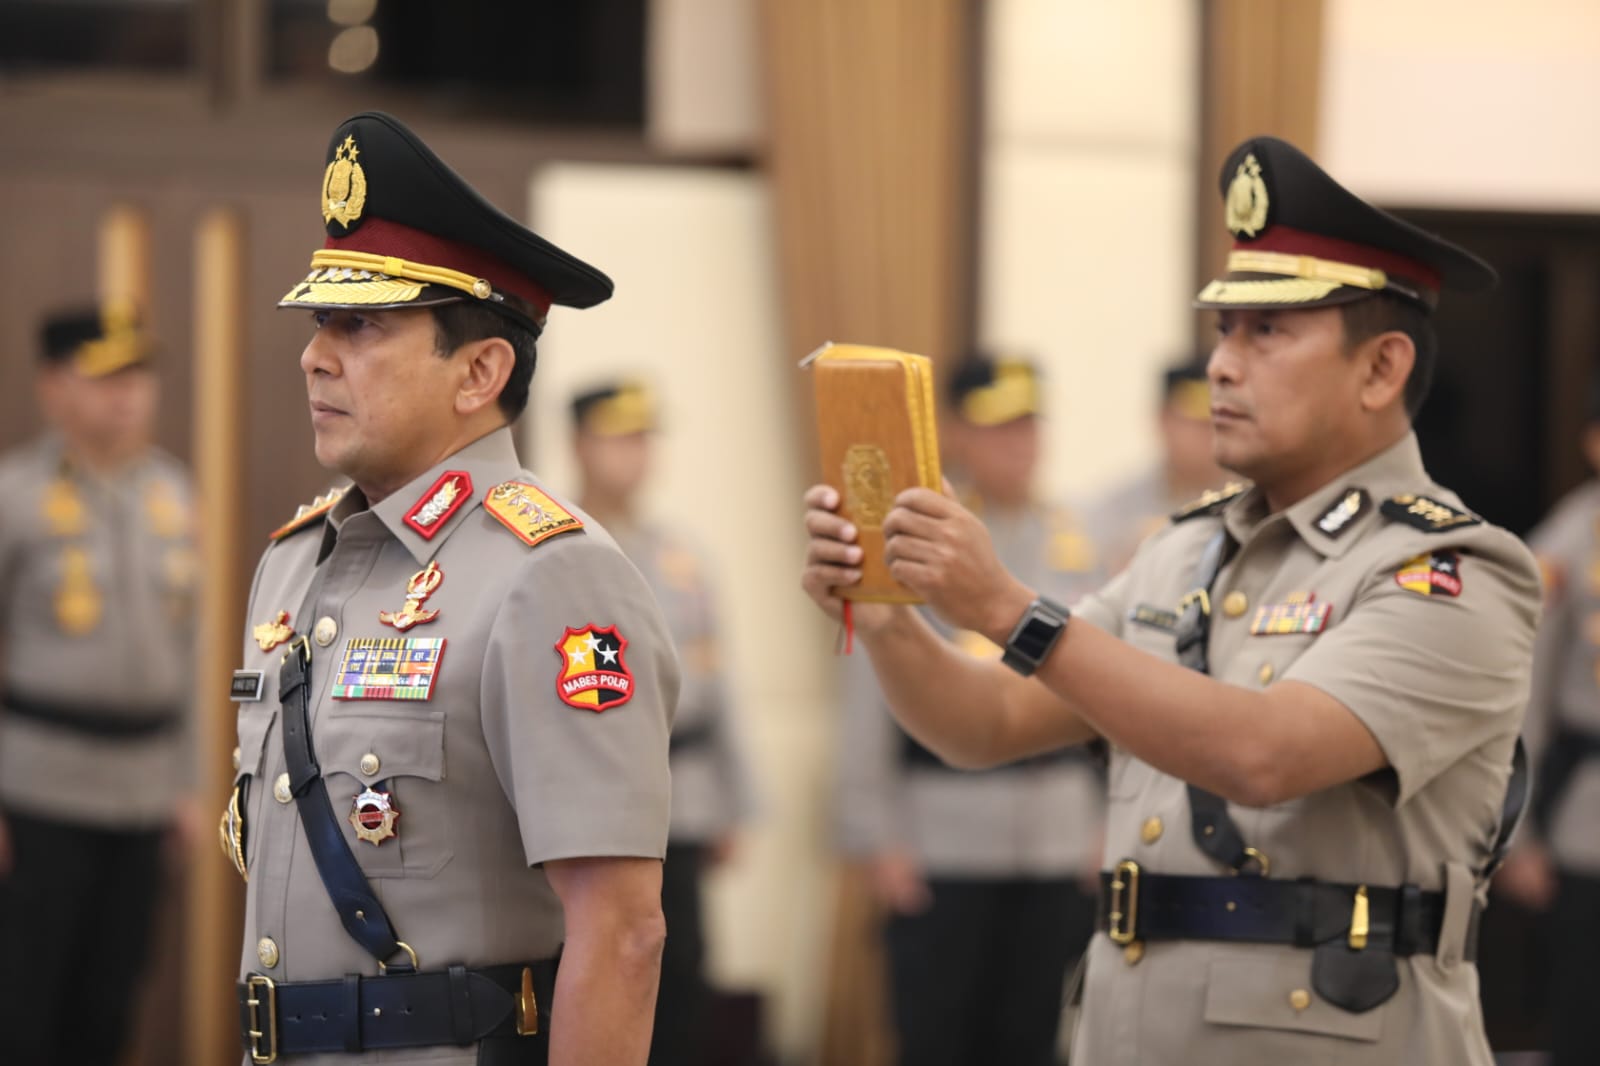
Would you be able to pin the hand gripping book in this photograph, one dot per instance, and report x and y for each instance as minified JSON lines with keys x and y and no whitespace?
{"x":878,"y":437}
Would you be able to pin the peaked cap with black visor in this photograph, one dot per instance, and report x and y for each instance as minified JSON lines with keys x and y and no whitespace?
{"x":404,"y":230}
{"x":1302,"y":240}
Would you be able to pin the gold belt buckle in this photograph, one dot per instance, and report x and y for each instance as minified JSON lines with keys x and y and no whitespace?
{"x":1122,"y":921}
{"x":262,"y":1029}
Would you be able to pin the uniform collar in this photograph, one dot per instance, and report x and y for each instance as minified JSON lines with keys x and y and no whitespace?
{"x":452,"y":489}
{"x":1332,"y":518}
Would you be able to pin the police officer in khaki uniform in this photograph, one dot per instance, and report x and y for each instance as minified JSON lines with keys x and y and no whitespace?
{"x":96,"y":625}
{"x":984,"y":876}
{"x":1121,"y":519}
{"x":1556,"y":865}
{"x":713,"y":789}
{"x":455,"y":693}
{"x":1312,"y":688}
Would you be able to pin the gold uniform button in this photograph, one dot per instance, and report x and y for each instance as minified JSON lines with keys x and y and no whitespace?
{"x":369,"y":764}
{"x":1151,"y":830}
{"x":1235,"y":603}
{"x":280,"y":789}
{"x":267,"y":952}
{"x":1299,"y":999}
{"x":1264,"y":675}
{"x":324,"y":632}
{"x":1133,"y":953}
{"x":236,"y":759}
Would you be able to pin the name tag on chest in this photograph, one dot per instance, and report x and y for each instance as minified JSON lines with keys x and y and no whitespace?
{"x":247,"y":686}
{"x":388,"y":668}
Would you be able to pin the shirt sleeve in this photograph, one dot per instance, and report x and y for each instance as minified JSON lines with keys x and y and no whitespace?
{"x":870,"y":813}
{"x":580,"y":684}
{"x":1434,"y":676}
{"x":738,"y":797}
{"x":1106,"y":608}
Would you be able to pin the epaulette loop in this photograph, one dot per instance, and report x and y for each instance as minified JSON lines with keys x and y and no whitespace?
{"x":529,"y":512}
{"x":1426,"y":514}
{"x":309,"y":514}
{"x":1210,"y":503}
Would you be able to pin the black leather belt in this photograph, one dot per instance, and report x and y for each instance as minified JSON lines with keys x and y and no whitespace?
{"x":458,"y":1006}
{"x":91,"y":720}
{"x":1135,"y":905}
{"x":914,"y":756}
{"x":691,"y":738}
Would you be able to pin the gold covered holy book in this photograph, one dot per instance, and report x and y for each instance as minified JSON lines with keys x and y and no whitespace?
{"x":878,"y":436}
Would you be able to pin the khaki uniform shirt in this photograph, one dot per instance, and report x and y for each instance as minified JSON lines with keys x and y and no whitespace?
{"x":495,"y":772}
{"x":1427,"y":639}
{"x":712,"y":785}
{"x":1037,"y":819}
{"x":1566,"y":687}
{"x":96,"y":615}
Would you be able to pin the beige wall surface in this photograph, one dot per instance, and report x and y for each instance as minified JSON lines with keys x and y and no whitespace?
{"x":1465,"y":103}
{"x":704,"y":90}
{"x":1087,"y":216}
{"x":695,"y":312}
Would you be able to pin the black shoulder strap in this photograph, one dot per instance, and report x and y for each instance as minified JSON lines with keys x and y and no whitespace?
{"x":360,"y":912}
{"x":1212,"y":827}
{"x":1518,"y":791}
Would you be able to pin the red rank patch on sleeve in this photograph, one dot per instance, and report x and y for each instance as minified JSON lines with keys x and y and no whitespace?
{"x":594,"y":676}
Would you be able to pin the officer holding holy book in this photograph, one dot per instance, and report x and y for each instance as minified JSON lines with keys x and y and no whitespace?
{"x":1311,"y":688}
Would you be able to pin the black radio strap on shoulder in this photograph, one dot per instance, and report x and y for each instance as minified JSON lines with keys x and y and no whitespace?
{"x":1213,"y":828}
{"x":360,"y":912}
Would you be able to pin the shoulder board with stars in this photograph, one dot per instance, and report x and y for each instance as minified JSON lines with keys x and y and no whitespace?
{"x":1426,"y":514}
{"x":529,"y":512}
{"x":1212,"y":502}
{"x":308,"y":514}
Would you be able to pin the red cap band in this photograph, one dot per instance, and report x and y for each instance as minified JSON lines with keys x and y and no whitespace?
{"x":1291,"y":241}
{"x":379,"y":236}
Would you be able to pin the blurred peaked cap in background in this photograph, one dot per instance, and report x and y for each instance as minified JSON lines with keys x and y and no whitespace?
{"x":615,"y":409}
{"x":404,"y":230}
{"x":97,"y":341}
{"x":1303,"y":240}
{"x":987,"y":390}
{"x":1186,"y":389}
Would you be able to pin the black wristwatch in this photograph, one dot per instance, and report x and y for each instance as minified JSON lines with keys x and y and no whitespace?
{"x":1041,"y":626}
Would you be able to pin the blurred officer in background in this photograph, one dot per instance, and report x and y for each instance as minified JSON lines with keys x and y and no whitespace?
{"x":454,"y":700}
{"x":1312,"y":688}
{"x":1556,"y":863}
{"x":1120,"y":520}
{"x":97,"y":564}
{"x":712,"y":789}
{"x":986,"y":877}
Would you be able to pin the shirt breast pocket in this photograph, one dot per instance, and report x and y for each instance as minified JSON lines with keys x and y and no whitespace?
{"x":385,"y":775}
{"x":244,"y":806}
{"x":1262,"y":993}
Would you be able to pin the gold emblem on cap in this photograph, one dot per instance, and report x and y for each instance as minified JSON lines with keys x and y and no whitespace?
{"x":344,"y":185}
{"x":1247,"y":199}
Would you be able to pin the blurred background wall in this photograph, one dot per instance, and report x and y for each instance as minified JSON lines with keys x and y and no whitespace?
{"x":762,"y":175}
